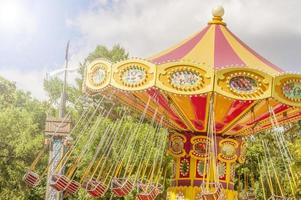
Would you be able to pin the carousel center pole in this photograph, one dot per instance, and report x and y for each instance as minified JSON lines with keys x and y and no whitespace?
{"x":57,"y":130}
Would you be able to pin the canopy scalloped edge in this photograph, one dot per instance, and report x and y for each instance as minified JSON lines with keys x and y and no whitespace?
{"x":193,"y":79}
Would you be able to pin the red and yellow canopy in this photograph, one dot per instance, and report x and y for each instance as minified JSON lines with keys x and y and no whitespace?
{"x":179,"y":82}
{"x":218,"y":47}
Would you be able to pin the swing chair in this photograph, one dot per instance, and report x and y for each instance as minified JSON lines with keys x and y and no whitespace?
{"x":121,"y":186}
{"x":251,"y":195}
{"x":148,"y":192}
{"x":31,"y":179}
{"x":94,"y":186}
{"x":72,"y":187}
{"x":59,"y":182}
{"x":213,"y":193}
{"x":275,"y":197}
{"x":66,"y":183}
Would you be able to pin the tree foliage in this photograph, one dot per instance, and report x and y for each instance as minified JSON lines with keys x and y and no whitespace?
{"x":21,"y":124}
{"x":269,"y":163}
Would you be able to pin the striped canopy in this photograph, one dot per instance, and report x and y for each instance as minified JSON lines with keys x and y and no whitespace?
{"x":218,"y":47}
{"x":245,"y":87}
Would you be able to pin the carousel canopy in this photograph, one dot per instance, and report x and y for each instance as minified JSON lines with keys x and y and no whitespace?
{"x":179,"y":82}
{"x":217,"y":47}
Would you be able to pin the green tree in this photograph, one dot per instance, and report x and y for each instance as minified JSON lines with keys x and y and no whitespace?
{"x":21,"y":124}
{"x":273,"y":163}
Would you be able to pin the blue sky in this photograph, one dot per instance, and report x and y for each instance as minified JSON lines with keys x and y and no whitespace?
{"x":34,"y":33}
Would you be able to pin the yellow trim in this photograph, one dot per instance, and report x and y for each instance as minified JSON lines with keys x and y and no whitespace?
{"x":191,"y":193}
{"x":181,"y":111}
{"x":222,"y":107}
{"x":246,"y":56}
{"x":193,"y":169}
{"x":203,"y":52}
{"x":177,"y":159}
{"x":217,"y":20}
{"x":166,"y":51}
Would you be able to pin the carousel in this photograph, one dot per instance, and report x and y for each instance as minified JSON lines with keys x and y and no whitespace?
{"x":209,"y":92}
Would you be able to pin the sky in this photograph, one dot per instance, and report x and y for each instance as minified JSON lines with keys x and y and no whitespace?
{"x":34,"y":33}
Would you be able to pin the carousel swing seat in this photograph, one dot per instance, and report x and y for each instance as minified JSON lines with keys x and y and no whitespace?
{"x":95,"y":188}
{"x":148,"y":192}
{"x":72,"y":187}
{"x":59,"y":182}
{"x":275,"y":197}
{"x":31,"y":179}
{"x":121,"y":186}
{"x":251,"y":196}
{"x":214,"y":193}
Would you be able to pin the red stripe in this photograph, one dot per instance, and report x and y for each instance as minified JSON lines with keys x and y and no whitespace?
{"x":182,"y":50}
{"x":159,"y":98}
{"x":237,"y":127}
{"x":234,"y":111}
{"x":224,"y":54}
{"x":279,"y":108}
{"x":285,"y":119}
{"x":199,"y":104}
{"x":265,"y":61}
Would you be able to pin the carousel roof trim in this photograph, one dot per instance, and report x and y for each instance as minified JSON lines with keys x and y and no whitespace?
{"x":181,"y":80}
{"x":184,"y":77}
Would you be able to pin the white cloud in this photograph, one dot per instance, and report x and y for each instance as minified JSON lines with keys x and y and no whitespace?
{"x":32,"y":80}
{"x":26,"y":80}
{"x":146,"y":27}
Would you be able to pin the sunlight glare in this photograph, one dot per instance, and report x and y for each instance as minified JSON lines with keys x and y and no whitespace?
{"x":10,"y":14}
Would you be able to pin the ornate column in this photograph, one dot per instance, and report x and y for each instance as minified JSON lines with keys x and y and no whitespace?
{"x":190,"y":158}
{"x":57,"y":135}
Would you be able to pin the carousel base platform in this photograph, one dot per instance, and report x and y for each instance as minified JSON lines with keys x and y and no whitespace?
{"x":193,"y":193}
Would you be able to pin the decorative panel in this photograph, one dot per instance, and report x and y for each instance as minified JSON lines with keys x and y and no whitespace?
{"x":243,"y":83}
{"x":98,"y":75}
{"x":184,"y":167}
{"x":228,"y":150}
{"x":287,"y":89}
{"x":176,"y":145}
{"x":184,"y":78}
{"x":133,"y":75}
{"x":199,"y":147}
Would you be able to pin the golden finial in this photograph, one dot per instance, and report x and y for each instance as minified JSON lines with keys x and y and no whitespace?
{"x":217,"y":13}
